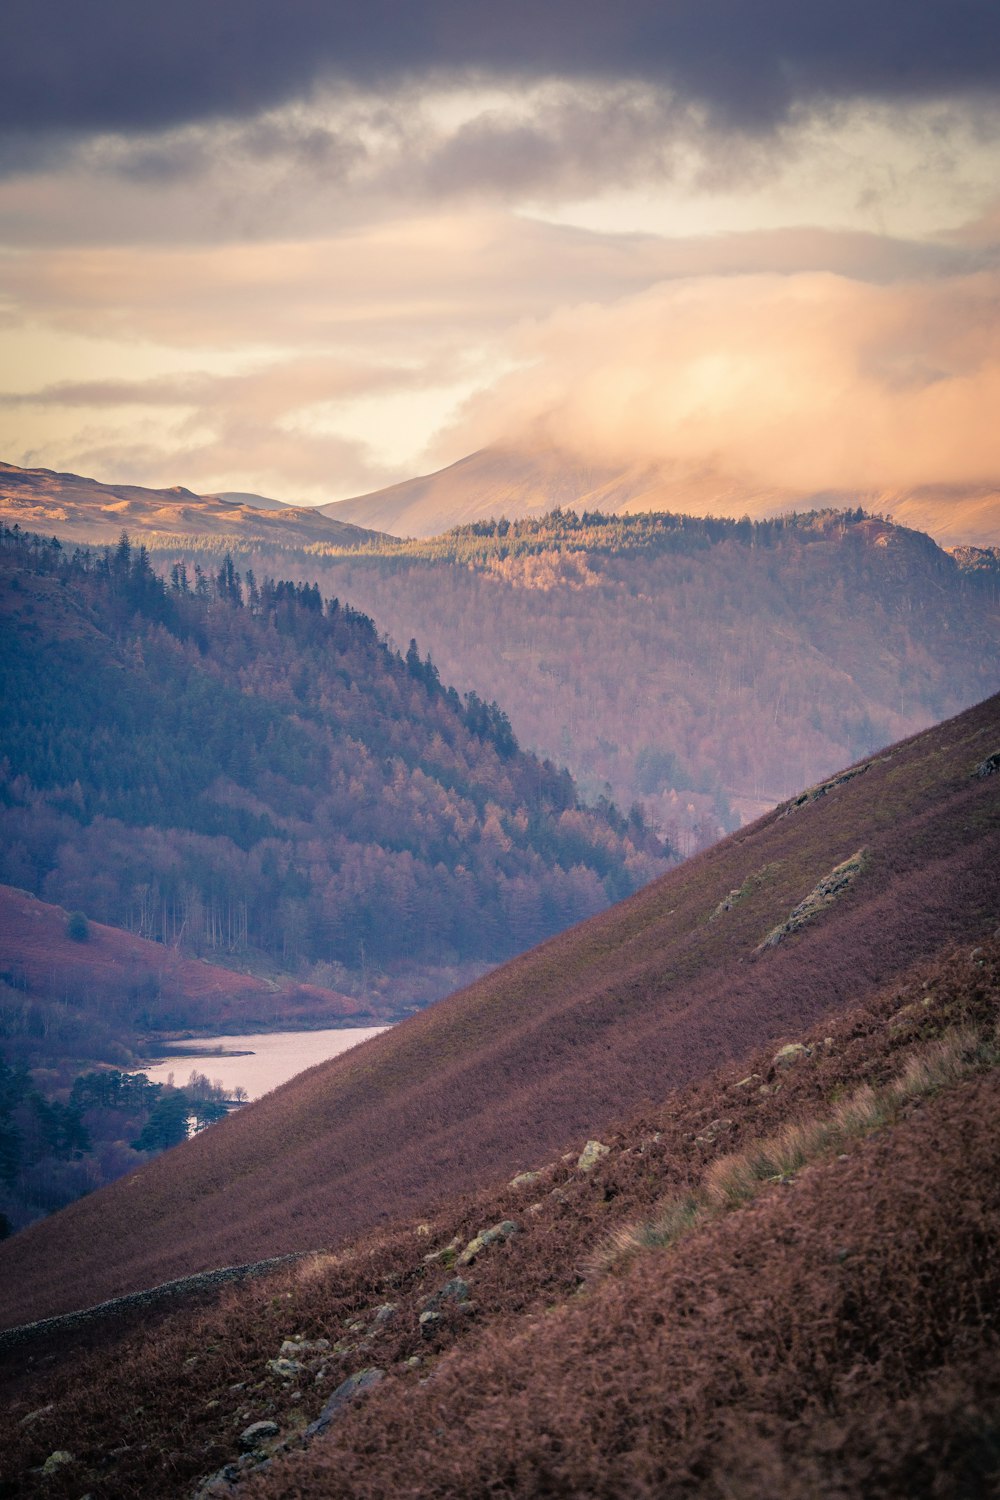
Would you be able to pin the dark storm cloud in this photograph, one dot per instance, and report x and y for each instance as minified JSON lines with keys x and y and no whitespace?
{"x":71,"y":66}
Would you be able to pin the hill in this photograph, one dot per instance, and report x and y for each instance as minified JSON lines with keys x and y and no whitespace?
{"x":91,"y":997}
{"x":519,"y":483}
{"x":813,"y":911}
{"x":254,"y":770}
{"x":780,"y":1277}
{"x":89,"y":512}
{"x":704,"y":668}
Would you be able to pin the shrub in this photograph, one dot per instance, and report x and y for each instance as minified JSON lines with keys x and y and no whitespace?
{"x":78,"y":928}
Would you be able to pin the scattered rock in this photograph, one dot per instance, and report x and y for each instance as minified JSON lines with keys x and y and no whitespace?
{"x":746,"y":1082}
{"x":349,"y":1390}
{"x":990,"y":766}
{"x":257,"y":1433}
{"x":428,"y":1324}
{"x":295,"y":1348}
{"x":591,"y":1155}
{"x":716,"y":1128}
{"x":455,"y":1290}
{"x":285,"y":1369}
{"x":496,"y":1233}
{"x":524,"y":1179}
{"x":56,"y":1461}
{"x":787,"y":1057}
{"x":384,"y":1314}
{"x":446,"y":1253}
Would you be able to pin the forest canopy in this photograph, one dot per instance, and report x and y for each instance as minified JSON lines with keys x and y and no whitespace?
{"x":236,"y":763}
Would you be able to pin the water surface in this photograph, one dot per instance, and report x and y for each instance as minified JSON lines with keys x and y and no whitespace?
{"x":266,"y":1058}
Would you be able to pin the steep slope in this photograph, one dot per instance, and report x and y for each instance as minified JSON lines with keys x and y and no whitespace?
{"x":808,"y":912}
{"x":87,"y":511}
{"x":516,"y":483}
{"x":783,"y":1279}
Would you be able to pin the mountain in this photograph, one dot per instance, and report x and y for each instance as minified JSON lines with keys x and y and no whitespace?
{"x":703,"y":668}
{"x":500,"y":482}
{"x":245,"y":768}
{"x":847,"y":897}
{"x":256,"y":502}
{"x":89,"y":512}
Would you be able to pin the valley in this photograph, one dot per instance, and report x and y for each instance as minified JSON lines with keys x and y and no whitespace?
{"x":768,"y":1173}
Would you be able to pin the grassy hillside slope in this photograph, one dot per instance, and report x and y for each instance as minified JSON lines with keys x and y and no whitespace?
{"x":87,"y":511}
{"x":783,"y":1279}
{"x":868,"y":874}
{"x":125,"y":982}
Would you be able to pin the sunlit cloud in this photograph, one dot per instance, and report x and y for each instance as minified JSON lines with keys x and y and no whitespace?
{"x":805,"y":382}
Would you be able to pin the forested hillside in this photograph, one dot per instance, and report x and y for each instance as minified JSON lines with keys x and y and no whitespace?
{"x":233,"y":764}
{"x":704,"y":667}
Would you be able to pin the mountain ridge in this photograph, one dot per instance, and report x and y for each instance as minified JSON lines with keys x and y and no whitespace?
{"x":90,"y":512}
{"x":517,"y":483}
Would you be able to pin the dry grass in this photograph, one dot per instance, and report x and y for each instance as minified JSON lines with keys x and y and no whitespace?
{"x":737,"y":1178}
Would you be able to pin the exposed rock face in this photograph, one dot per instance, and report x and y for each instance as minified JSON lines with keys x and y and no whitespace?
{"x":256,"y":1434}
{"x":349,"y":1390}
{"x":788,"y":1056}
{"x":591,"y":1155}
{"x":486,"y":1237}
{"x":990,"y":766}
{"x":819,"y":898}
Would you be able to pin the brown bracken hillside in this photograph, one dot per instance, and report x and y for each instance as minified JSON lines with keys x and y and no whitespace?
{"x":783,"y":1279}
{"x":808,"y":913}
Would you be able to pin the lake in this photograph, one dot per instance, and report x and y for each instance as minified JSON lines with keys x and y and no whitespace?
{"x":267,"y":1058}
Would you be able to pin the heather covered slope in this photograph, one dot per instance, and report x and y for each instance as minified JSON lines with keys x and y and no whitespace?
{"x":782,"y":1279}
{"x":868,"y":875}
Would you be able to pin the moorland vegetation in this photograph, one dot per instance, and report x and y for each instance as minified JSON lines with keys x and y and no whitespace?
{"x":828,"y":1327}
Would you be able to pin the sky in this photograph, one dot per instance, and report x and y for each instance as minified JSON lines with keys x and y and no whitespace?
{"x":306,"y":248}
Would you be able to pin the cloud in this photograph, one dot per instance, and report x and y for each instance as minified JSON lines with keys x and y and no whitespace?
{"x":108,"y":66}
{"x":804,"y":382}
{"x":269,"y":428}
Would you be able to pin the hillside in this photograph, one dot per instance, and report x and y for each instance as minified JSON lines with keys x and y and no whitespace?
{"x":781,"y":1278}
{"x":705,"y":669}
{"x":89,"y":512}
{"x":80,"y":1001}
{"x":120,"y":986}
{"x":254,"y":770}
{"x":813,"y":911}
{"x":519,"y":483}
